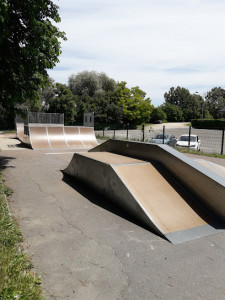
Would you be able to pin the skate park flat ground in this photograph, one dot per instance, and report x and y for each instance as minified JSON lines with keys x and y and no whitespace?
{"x":84,"y":247}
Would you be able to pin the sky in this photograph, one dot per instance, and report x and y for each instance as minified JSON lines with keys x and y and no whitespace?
{"x":153,"y":44}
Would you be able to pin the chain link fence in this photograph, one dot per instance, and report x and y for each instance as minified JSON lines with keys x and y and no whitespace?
{"x":211,"y":141}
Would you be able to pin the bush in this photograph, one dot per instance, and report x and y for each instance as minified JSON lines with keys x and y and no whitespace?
{"x":208,"y":124}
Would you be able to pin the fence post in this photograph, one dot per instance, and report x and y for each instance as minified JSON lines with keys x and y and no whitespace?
{"x":127,"y":130}
{"x":114,"y":133}
{"x":189,"y":137}
{"x":143,"y":129}
{"x":103,"y":131}
{"x":163,"y":133}
{"x":222,"y":141}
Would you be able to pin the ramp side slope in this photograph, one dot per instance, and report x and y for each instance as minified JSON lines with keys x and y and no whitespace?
{"x":145,"y":192}
{"x":207,"y":187}
{"x":60,"y":137}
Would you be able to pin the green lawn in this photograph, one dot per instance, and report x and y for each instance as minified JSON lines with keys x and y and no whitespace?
{"x":200,"y":153}
{"x":17,"y":278}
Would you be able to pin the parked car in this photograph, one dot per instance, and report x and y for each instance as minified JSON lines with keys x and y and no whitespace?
{"x":183,"y":142}
{"x":169,"y":139}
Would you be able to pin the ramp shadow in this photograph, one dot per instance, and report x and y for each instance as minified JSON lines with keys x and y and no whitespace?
{"x":98,"y":199}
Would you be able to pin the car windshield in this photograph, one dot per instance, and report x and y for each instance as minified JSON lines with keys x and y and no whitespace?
{"x":186,"y":138}
{"x":160,"y":136}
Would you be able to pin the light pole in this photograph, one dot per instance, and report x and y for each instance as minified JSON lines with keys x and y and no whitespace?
{"x":203,"y":103}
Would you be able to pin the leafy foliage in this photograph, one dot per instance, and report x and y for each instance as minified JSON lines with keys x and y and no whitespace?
{"x":215,"y":101}
{"x":90,"y":83}
{"x":190,"y":105}
{"x":136,"y":109}
{"x":158,"y":114}
{"x":59,"y":99}
{"x":173,"y":112}
{"x":29,"y":44}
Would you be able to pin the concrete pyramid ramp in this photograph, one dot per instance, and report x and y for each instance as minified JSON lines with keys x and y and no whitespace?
{"x":147,"y":192}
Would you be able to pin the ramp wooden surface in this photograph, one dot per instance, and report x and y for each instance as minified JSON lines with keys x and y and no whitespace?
{"x":88,"y":137}
{"x":150,"y":193}
{"x":56,"y":137}
{"x":39,"y":138}
{"x":73,"y":137}
{"x":60,"y":137}
{"x":168,"y":208}
{"x":20,"y":131}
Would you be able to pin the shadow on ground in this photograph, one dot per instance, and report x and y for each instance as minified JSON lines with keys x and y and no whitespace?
{"x":4,"y":162}
{"x":98,"y":199}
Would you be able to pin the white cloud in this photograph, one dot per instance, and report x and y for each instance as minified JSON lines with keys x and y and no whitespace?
{"x":155,"y":44}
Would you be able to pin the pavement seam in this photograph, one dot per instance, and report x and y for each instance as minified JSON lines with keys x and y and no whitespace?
{"x":101,"y":245}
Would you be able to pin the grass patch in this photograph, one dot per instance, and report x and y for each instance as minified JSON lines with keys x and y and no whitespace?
{"x":100,"y":137}
{"x":200,"y":153}
{"x":17,"y":280}
{"x":8,"y":131}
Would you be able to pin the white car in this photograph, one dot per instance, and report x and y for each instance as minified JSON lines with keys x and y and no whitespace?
{"x":183,"y":142}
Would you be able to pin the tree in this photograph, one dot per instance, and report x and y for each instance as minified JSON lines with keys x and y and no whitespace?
{"x":189,"y":104}
{"x":29,"y":44}
{"x":215,"y":101}
{"x":158,"y":114}
{"x":90,"y":83}
{"x":173,"y":112}
{"x":136,"y":109}
{"x":62,"y":101}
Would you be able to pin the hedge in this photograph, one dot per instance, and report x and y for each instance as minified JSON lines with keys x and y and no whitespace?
{"x":208,"y":124}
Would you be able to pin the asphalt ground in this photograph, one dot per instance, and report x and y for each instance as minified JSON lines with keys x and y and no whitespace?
{"x":85,"y":247}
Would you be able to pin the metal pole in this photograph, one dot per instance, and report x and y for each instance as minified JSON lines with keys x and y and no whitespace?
{"x":189,"y":137}
{"x":222,"y":142}
{"x":163,"y":133}
{"x":103,"y":131}
{"x":143,"y":128}
{"x":114,"y":133}
{"x":127,"y":130}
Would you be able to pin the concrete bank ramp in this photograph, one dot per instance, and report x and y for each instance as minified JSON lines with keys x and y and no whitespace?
{"x":147,"y":191}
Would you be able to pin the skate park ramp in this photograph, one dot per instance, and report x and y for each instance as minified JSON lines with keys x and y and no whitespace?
{"x":220,"y":170}
{"x":20,"y":131}
{"x":157,"y":185}
{"x":46,"y":137}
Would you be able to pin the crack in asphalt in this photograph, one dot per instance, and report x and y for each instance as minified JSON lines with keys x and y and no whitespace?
{"x":41,"y":190}
{"x":101,"y":245}
{"x":88,"y":237}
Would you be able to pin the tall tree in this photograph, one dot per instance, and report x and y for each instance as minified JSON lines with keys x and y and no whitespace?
{"x":90,"y":83}
{"x":29,"y":44}
{"x":62,"y":101}
{"x":173,"y":112}
{"x":215,"y":101}
{"x":158,"y":114}
{"x":189,"y":104}
{"x":136,"y":108}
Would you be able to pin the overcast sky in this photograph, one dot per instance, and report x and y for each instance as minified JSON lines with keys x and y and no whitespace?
{"x":153,"y":44}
